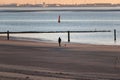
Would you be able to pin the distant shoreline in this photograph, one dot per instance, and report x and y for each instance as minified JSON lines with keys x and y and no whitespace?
{"x":40,"y":9}
{"x":55,"y":10}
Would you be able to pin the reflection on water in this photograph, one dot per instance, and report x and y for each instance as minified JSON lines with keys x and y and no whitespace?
{"x":70,"y":21}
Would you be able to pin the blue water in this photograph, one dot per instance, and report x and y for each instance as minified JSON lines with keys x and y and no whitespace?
{"x":70,"y":21}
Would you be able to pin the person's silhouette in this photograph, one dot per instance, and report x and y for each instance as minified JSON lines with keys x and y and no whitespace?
{"x":59,"y":41}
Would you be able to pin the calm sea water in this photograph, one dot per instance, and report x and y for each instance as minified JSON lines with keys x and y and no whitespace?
{"x":70,"y":21}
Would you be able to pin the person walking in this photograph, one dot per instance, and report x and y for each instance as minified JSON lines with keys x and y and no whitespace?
{"x":59,"y":41}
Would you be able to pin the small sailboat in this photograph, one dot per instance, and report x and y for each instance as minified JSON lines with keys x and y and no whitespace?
{"x":59,"y":19}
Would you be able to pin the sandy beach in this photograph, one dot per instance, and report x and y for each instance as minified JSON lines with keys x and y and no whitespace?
{"x":27,"y":60}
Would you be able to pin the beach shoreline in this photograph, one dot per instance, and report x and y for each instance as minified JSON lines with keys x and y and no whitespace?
{"x":3,"y":37}
{"x":29,"y":60}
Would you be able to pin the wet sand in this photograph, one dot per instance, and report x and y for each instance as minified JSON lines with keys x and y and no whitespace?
{"x":27,"y":60}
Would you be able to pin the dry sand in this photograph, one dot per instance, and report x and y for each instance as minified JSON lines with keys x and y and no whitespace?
{"x":26,"y":60}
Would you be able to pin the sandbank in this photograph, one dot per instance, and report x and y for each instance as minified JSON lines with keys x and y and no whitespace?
{"x":28,"y":60}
